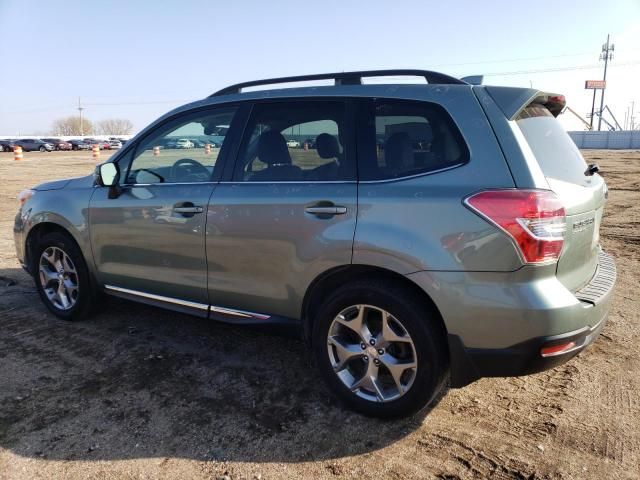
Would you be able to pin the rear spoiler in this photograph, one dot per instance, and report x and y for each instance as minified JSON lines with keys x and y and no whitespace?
{"x":512,"y":100}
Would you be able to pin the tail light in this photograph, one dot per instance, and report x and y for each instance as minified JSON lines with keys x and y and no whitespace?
{"x":534,"y":219}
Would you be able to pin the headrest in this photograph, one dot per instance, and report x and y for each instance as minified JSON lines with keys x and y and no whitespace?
{"x":272,"y":149}
{"x":398,"y":152}
{"x":328,"y":146}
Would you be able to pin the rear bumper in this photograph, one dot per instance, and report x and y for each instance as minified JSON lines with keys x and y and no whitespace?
{"x":498,"y":323}
{"x":470,"y":364}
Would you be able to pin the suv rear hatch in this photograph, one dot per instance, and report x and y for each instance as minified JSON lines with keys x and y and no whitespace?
{"x":582,"y":193}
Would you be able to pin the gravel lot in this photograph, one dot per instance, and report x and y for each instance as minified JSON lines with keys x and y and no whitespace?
{"x":137,"y":392}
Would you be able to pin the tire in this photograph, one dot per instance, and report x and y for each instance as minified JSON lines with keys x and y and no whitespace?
{"x":408,"y":315}
{"x":81,"y":304}
{"x":42,"y":149}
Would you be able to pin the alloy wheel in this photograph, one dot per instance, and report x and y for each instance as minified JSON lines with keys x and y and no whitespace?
{"x":372,"y":353}
{"x":59,"y":278}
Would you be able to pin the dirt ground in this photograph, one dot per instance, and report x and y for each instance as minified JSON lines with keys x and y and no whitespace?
{"x":137,"y":392}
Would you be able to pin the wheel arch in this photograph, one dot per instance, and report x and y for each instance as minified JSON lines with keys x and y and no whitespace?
{"x":37,"y":232}
{"x":324,"y":283}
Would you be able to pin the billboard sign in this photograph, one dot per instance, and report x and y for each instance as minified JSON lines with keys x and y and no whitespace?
{"x":595,"y":84}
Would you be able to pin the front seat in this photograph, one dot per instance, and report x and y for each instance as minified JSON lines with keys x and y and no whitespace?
{"x":273,"y":150}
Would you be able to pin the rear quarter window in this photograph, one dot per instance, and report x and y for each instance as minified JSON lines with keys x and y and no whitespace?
{"x":406,"y":138}
{"x":554,"y":150}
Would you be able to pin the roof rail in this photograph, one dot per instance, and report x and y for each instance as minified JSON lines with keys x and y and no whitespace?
{"x":345,"y":78}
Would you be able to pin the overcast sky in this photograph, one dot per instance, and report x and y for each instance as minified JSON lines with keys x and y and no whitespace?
{"x":139,"y":59}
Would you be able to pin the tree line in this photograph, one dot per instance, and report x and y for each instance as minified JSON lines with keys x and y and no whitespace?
{"x":73,"y":125}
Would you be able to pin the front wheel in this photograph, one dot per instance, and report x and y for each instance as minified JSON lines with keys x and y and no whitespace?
{"x":62,"y":277}
{"x":380,"y":348}
{"x":42,"y":149}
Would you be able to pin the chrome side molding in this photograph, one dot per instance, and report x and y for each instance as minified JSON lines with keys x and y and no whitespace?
{"x":151,"y":296}
{"x":185,"y":303}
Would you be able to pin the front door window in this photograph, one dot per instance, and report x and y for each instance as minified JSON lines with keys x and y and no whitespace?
{"x":185,"y":151}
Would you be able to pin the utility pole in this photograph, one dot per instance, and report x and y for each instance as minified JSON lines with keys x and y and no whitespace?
{"x":606,"y":55}
{"x":593,"y":107}
{"x":80,"y":110}
{"x":632,"y":117}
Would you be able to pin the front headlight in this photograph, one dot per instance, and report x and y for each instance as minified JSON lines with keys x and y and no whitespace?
{"x":25,"y":195}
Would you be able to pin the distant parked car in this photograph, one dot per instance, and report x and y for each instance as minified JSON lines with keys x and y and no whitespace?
{"x":92,"y":141}
{"x":167,"y":143}
{"x":104,"y":145}
{"x":6,"y":145}
{"x":293,"y":144}
{"x":310,"y":142}
{"x":184,"y":143}
{"x":79,"y":145}
{"x":115,"y":144}
{"x":58,"y":144}
{"x":34,"y":144}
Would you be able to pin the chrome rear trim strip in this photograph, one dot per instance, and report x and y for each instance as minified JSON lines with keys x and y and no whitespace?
{"x":238,"y":313}
{"x":151,"y":296}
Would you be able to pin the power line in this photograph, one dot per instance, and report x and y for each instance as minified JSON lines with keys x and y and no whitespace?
{"x":181,"y":101}
{"x":511,"y":60}
{"x":150,"y":102}
{"x":559,"y":69}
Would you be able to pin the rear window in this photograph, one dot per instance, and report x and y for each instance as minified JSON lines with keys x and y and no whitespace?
{"x":411,"y":138}
{"x":554,"y":150}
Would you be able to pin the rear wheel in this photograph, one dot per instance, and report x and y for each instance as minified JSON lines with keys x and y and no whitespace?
{"x":380,"y":349}
{"x":62,"y":277}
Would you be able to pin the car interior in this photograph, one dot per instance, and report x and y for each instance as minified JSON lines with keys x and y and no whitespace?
{"x":265,"y":156}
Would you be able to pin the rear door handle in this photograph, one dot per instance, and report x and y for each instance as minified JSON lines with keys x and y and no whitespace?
{"x":326,"y":210}
{"x":187,"y":207}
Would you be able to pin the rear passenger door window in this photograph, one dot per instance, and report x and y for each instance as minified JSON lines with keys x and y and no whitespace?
{"x":298,"y":141}
{"x":404,"y":138}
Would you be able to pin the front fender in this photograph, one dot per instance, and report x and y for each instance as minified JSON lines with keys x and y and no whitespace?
{"x":67,"y":209}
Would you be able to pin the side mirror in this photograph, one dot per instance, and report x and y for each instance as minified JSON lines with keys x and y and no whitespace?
{"x":108,"y":175}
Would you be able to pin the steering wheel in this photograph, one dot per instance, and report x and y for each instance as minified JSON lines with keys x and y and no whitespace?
{"x":186,"y":167}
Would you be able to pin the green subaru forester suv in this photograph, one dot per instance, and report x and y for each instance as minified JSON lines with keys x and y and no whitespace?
{"x":416,"y":234}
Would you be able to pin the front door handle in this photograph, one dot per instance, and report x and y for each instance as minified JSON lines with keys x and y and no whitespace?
{"x":325,"y":209}
{"x":188,"y":208}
